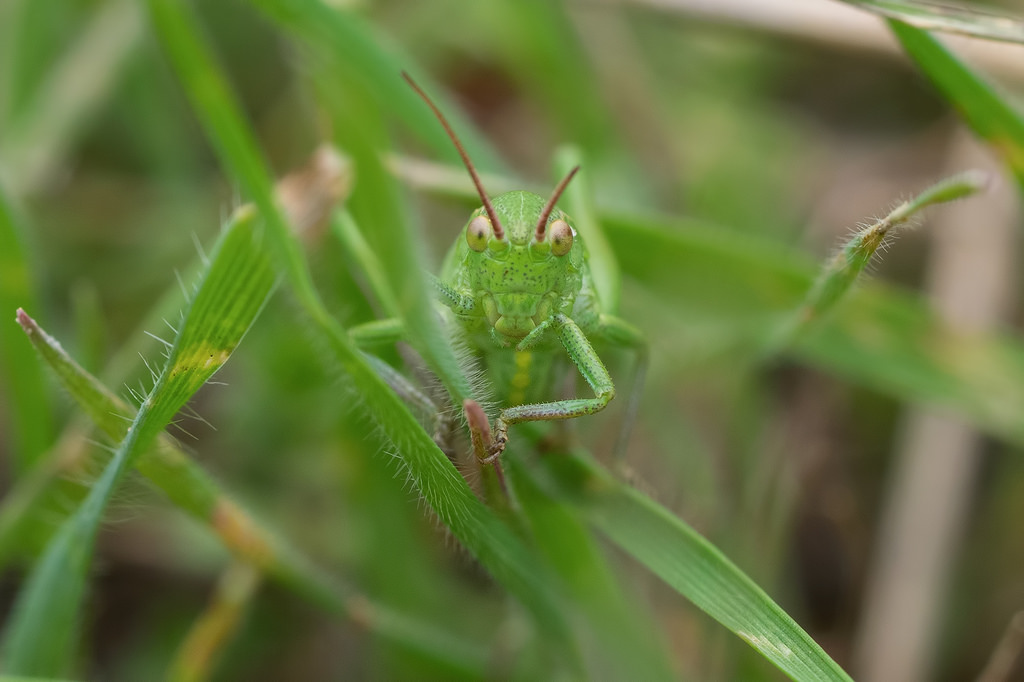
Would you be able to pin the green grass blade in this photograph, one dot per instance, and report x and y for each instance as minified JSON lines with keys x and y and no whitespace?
{"x":39,"y":638}
{"x":21,"y":374}
{"x":576,"y":201}
{"x":32,"y":144}
{"x":677,"y":554}
{"x":846,"y":266}
{"x":345,"y":229}
{"x":390,"y":235}
{"x":357,"y":126}
{"x":200,"y":496}
{"x":354,"y":51}
{"x":949,"y":17}
{"x":437,"y":480}
{"x":622,"y":640}
{"x":884,"y":338}
{"x":10,"y":31}
{"x":984,"y":109}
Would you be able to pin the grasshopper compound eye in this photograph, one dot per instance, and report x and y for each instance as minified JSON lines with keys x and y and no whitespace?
{"x":561,"y":237}
{"x":477,"y":233}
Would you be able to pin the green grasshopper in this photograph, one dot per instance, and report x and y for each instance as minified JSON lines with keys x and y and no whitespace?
{"x":517,"y":285}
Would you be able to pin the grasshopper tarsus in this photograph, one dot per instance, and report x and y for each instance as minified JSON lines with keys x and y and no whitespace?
{"x":479,"y":429}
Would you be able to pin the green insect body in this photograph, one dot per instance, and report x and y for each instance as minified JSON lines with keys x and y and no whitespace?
{"x":518,"y":286}
{"x":514,"y":286}
{"x":522,"y":293}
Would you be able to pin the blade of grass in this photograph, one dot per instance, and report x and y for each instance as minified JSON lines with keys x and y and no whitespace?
{"x":843,"y":269}
{"x":623,"y":644}
{"x":200,"y":496}
{"x":577,"y":202}
{"x":30,"y":421}
{"x":345,"y":229}
{"x":358,"y":127}
{"x":307,"y":193}
{"x":949,"y":17}
{"x":39,"y":638}
{"x":986,"y":111}
{"x":437,"y":480}
{"x":885,"y":338}
{"x":694,"y":567}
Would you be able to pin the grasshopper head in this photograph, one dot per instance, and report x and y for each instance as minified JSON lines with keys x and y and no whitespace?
{"x":524,"y":260}
{"x":530,"y":272}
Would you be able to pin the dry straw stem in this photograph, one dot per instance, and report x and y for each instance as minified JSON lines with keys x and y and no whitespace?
{"x":216,"y":626}
{"x":859,"y":26}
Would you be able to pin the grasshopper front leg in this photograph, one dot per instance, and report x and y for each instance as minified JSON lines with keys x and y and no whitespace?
{"x":586,"y":359}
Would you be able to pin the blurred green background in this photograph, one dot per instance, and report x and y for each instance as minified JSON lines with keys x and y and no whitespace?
{"x":759,"y":136}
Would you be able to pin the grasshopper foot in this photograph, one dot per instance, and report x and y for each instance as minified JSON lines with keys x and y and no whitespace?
{"x":486,"y":448}
{"x":479,"y":430}
{"x":499,"y":441}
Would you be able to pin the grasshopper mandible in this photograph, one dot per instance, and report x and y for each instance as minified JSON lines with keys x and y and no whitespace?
{"x":518,"y":286}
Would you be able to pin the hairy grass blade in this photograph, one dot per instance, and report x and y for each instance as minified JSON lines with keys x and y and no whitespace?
{"x":38,"y":640}
{"x":847,"y":265}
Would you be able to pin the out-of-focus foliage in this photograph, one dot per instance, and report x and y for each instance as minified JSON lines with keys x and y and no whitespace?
{"x":722,"y":163}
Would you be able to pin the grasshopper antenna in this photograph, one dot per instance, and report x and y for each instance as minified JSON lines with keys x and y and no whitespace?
{"x":542,"y":222}
{"x":499,"y":232}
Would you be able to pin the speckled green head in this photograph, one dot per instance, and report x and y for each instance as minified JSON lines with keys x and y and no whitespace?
{"x":529,"y":273}
{"x":519,"y":261}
